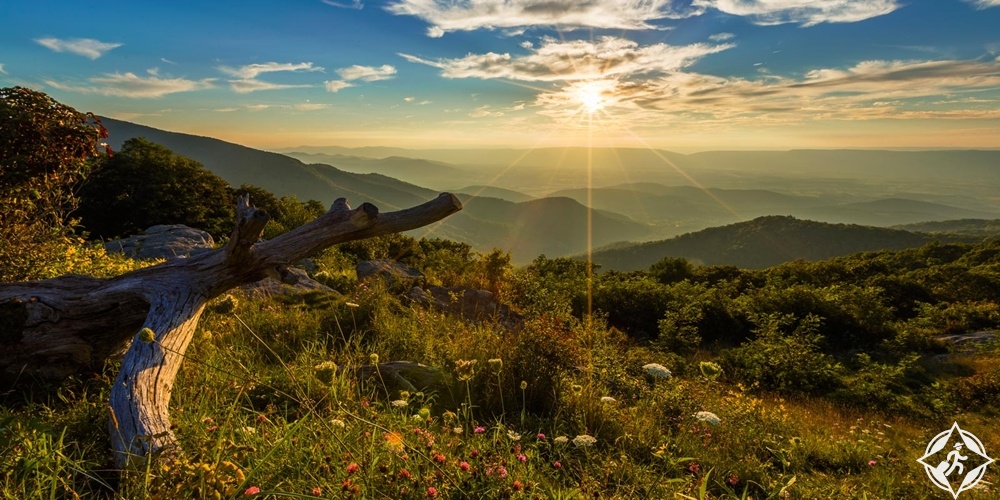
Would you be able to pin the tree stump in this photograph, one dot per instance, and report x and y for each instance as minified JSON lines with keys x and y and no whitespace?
{"x":55,"y":328}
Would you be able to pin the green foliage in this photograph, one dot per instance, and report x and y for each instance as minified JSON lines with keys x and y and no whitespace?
{"x":146,"y":184}
{"x":45,"y":153}
{"x":785,"y":357}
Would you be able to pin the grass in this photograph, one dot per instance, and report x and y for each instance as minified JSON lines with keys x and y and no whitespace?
{"x":259,"y":412}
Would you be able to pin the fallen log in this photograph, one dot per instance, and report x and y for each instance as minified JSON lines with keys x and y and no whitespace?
{"x":72,"y":324}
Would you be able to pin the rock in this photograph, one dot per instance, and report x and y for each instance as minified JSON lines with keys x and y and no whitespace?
{"x":393,"y":377}
{"x":474,"y":305}
{"x":292,"y":281}
{"x":395,"y":274}
{"x":163,"y":242}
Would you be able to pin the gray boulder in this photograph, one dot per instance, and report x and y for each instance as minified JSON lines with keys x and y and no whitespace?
{"x":395,"y":274}
{"x":473,"y":305}
{"x":163,"y":242}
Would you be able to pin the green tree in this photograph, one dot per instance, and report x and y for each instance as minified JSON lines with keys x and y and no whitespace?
{"x":146,"y":184}
{"x":45,"y":149}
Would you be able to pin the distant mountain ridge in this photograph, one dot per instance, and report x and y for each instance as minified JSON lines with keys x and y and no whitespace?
{"x":765,"y":242}
{"x":553,"y":226}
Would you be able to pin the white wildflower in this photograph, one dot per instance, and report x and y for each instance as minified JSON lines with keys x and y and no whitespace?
{"x":398,"y":403}
{"x":457,"y":430}
{"x":338,"y":423}
{"x":513,"y":436}
{"x":561,"y":440}
{"x":608,"y":399}
{"x":657,"y":370}
{"x":708,"y":417}
{"x":583,"y":441}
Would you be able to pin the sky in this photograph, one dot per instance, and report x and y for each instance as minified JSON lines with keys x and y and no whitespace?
{"x":682,"y":75}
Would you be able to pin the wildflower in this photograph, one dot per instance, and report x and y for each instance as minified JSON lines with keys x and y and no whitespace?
{"x":557,"y":465}
{"x":373,"y":358}
{"x":733,"y":479}
{"x":432,"y":492}
{"x":464,"y":466}
{"x":439,"y":458}
{"x":608,"y":399}
{"x":524,"y":384}
{"x":465,"y":369}
{"x":424,"y":412}
{"x":449,"y":416}
{"x":583,"y":441}
{"x":474,"y":454}
{"x":657,"y":370}
{"x":404,"y":394}
{"x":513,"y":436}
{"x":398,"y":403}
{"x":710,"y":370}
{"x":871,"y":463}
{"x":522,"y":458}
{"x":338,"y":423}
{"x":457,"y":430}
{"x":404,"y":474}
{"x":353,"y":467}
{"x":317,"y":492}
{"x":694,"y":468}
{"x":561,"y":440}
{"x":502,"y":471}
{"x":496,"y":364}
{"x":540,"y":436}
{"x":325,"y":371}
{"x":253,"y":490}
{"x":146,"y":335}
{"x":517,"y":486}
{"x":708,"y":417}
{"x":479,"y":430}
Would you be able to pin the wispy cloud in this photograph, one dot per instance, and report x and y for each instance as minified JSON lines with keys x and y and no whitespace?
{"x":556,"y":60}
{"x":354,"y":4}
{"x":469,"y":15}
{"x":804,"y":12}
{"x":168,"y":61}
{"x":133,"y":86}
{"x":246,"y":76}
{"x":252,"y":70}
{"x":304,"y":106}
{"x":359,"y":73}
{"x":367,"y":73}
{"x":2,"y":72}
{"x":984,"y":4}
{"x":247,"y":86}
{"x":86,"y":47}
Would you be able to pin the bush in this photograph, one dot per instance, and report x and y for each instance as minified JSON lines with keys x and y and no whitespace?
{"x":787,"y":362}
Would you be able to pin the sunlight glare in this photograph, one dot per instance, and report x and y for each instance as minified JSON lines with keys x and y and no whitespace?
{"x":593,"y":96}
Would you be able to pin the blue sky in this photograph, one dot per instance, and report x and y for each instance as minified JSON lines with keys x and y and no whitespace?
{"x":683,"y":75}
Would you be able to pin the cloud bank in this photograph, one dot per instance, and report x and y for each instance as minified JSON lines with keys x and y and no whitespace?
{"x":134,"y":86}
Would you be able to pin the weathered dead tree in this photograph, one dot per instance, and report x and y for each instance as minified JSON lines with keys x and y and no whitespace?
{"x":55,"y":328}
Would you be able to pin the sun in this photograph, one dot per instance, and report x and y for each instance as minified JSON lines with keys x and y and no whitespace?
{"x":593,"y":96}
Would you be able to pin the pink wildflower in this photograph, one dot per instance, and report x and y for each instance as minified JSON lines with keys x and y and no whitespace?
{"x":253,"y":490}
{"x":871,"y":463}
{"x":522,"y":458}
{"x":464,"y":466}
{"x":540,"y":436}
{"x":479,"y":430}
{"x":432,"y":492}
{"x":354,"y":467}
{"x":557,"y":464}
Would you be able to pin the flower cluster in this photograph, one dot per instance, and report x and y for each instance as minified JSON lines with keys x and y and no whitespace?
{"x":657,"y":370}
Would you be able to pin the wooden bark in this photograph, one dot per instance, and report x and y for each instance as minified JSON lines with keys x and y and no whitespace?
{"x":55,"y":328}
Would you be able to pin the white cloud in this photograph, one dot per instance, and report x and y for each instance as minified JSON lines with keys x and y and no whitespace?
{"x":557,"y":60}
{"x":2,"y":72}
{"x":252,"y":70}
{"x":86,"y":47}
{"x":250,"y":85}
{"x":469,"y":15}
{"x":721,"y":37}
{"x":354,"y":4}
{"x":246,"y":76}
{"x":409,"y":99}
{"x":485,"y":112}
{"x":131,"y":85}
{"x":168,"y":61}
{"x":310,"y":106}
{"x":367,"y":73}
{"x":804,"y":12}
{"x":985,"y":4}
{"x":336,"y":85}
